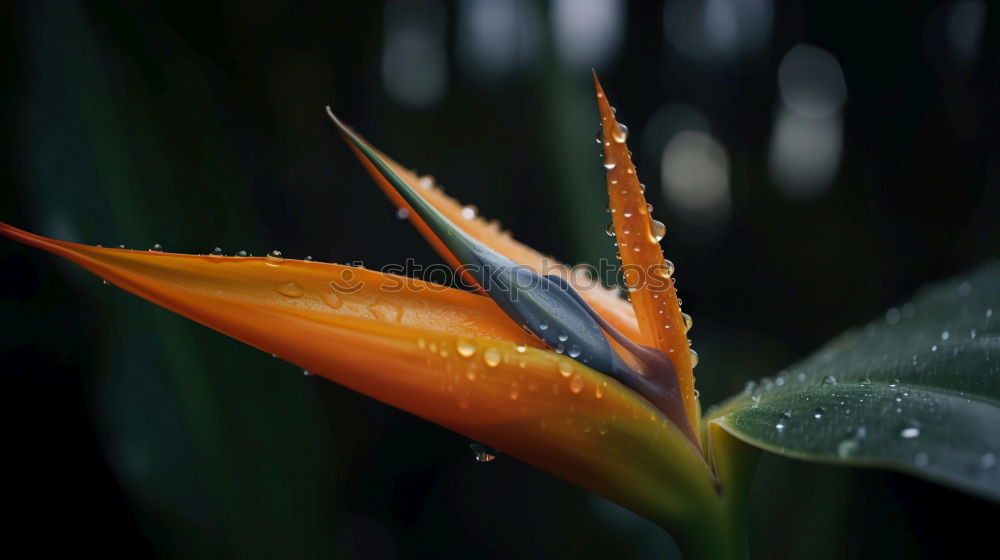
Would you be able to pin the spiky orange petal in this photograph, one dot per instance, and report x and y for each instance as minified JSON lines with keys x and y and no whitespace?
{"x":445,"y":355}
{"x":647,"y":274}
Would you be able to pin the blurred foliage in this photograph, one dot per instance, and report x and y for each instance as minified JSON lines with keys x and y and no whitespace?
{"x":133,"y":430}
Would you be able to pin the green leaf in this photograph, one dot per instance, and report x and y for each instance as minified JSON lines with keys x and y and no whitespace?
{"x":917,"y":390}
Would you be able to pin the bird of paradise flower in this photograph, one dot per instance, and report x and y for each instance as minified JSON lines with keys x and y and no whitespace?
{"x":538,"y":360}
{"x":558,"y":372}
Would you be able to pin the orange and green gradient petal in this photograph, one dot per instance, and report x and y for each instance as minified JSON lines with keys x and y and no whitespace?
{"x":449,"y":356}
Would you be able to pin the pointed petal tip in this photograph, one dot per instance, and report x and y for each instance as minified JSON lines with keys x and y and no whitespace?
{"x":598,"y":89}
{"x":343,"y":128}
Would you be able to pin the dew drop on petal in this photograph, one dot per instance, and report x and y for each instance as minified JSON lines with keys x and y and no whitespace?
{"x":620,"y":134}
{"x":492,"y":357}
{"x":388,"y":312}
{"x":658,"y":230}
{"x":290,"y":289}
{"x":331,"y":299}
{"x":565,"y":367}
{"x":465,"y":347}
{"x":274,"y":258}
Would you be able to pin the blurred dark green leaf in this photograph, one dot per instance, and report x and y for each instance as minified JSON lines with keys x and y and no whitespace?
{"x":221,"y":451}
{"x":917,"y":391}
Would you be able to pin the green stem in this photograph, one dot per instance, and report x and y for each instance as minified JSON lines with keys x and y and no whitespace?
{"x":722,"y":536}
{"x":720,"y":531}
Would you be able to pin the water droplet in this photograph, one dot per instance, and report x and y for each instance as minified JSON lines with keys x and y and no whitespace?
{"x":384,"y":311}
{"x":157,"y":247}
{"x":818,"y":413}
{"x":620,"y":134}
{"x":909,"y":432}
{"x":543,"y":326}
{"x":465,"y":347}
{"x":290,"y":289}
{"x":565,"y":367}
{"x":783,"y":420}
{"x":426,"y":182}
{"x":521,"y":349}
{"x":121,"y":246}
{"x":305,"y":372}
{"x":829,"y":380}
{"x":492,"y":357}
{"x":308,"y":258}
{"x":964,"y":289}
{"x":945,"y":335}
{"x":972,"y":333}
{"x":483,"y":453}
{"x":274,"y":258}
{"x":573,"y":351}
{"x":563,"y":337}
{"x":514,"y":391}
{"x":402,"y":213}
{"x":469,"y":212}
{"x":576,"y":384}
{"x":331,"y":299}
{"x":599,"y":390}
{"x":657,"y":229}
{"x":694,"y":358}
{"x":988,"y":461}
{"x":670,"y":267}
{"x":892,"y":316}
{"x":846,"y":447}
{"x":610,"y":230}
{"x":934,"y":348}
{"x":609,"y":165}
{"x":105,"y":282}
{"x":217,"y":251}
{"x":688,"y":321}
{"x":866,"y":381}
{"x":241,"y":253}
{"x":921,"y":459}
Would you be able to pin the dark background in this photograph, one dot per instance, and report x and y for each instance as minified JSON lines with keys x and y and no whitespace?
{"x":130,"y":430}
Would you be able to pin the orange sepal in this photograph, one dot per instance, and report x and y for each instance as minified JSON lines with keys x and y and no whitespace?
{"x":445,"y":355}
{"x":647,"y":274}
